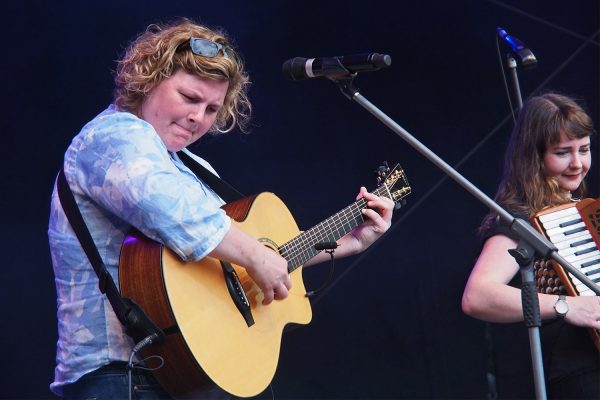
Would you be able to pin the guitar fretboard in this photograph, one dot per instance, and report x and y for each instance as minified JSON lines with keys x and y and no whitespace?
{"x":302,"y":248}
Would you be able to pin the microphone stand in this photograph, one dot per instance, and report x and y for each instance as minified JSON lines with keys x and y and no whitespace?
{"x":531,"y":241}
{"x":512,"y":67}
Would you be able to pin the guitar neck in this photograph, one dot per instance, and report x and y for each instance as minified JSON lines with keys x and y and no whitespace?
{"x":302,"y":248}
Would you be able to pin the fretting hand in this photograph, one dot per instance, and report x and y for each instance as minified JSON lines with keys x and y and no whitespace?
{"x":378,"y":219}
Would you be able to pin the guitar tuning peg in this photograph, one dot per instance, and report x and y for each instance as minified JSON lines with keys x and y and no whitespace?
{"x":399,"y":204}
{"x":383,"y":169}
{"x":380,"y":174}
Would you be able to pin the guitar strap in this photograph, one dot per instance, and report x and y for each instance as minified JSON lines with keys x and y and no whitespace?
{"x":136,"y":322}
{"x":222,"y":188}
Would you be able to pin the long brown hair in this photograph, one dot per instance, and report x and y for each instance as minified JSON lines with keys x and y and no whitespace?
{"x":524,"y":189}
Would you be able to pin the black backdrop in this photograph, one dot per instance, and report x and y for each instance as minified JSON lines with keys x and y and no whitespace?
{"x":390,"y":326}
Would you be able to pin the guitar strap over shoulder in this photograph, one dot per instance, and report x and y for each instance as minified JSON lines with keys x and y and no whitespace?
{"x":222,"y":188}
{"x":138,"y":325}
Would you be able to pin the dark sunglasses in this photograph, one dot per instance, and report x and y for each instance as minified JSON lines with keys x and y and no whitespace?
{"x":206,"y":48}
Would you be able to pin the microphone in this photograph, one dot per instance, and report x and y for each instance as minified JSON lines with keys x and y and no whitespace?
{"x":300,"y":68}
{"x":528,"y":60}
{"x":325,"y":246}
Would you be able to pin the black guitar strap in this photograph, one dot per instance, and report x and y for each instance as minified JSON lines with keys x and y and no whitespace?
{"x":222,"y":188}
{"x":136,"y":322}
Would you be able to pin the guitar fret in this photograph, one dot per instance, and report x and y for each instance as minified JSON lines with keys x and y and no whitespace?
{"x":301,"y":249}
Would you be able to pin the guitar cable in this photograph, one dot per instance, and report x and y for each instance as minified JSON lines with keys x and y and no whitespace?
{"x":148,"y":340}
{"x":329,"y":248}
{"x":272,"y":391}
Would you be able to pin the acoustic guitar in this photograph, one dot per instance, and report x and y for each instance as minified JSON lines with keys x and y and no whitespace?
{"x":217,"y":329}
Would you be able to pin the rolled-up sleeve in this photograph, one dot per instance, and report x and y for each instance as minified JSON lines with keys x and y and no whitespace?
{"x":122,"y":165}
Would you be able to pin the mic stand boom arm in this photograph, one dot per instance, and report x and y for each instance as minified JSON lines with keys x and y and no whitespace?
{"x":521,"y":228}
{"x":530,"y":240}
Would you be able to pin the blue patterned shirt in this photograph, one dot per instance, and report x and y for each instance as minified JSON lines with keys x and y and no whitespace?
{"x":122,"y":175}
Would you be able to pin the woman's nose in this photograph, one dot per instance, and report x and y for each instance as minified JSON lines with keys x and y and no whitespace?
{"x":196,"y":115}
{"x":576,"y":161}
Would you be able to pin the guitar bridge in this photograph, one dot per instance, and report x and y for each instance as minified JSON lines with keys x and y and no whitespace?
{"x":236,"y":291}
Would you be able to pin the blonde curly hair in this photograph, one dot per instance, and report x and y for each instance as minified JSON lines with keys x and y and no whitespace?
{"x":162,"y":50}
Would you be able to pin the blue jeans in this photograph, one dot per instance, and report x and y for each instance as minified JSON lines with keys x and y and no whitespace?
{"x":111,"y":382}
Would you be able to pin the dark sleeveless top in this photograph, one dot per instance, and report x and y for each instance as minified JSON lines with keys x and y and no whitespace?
{"x":567,"y":350}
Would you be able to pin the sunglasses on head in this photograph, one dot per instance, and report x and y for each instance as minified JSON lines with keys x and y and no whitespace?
{"x":206,"y":48}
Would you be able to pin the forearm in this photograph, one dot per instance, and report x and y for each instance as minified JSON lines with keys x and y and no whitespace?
{"x":377,"y":220}
{"x":238,"y":248}
{"x":502,"y":303}
{"x":347,"y":245}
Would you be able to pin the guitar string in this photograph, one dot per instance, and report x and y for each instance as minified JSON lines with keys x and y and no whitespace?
{"x":318,"y":231}
{"x":312,"y":236}
{"x":299,"y":250}
{"x":336,"y":220}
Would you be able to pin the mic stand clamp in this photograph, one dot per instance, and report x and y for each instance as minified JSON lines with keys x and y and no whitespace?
{"x":346,"y":85}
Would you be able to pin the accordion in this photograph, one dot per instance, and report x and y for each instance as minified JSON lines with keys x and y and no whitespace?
{"x":574,"y":228}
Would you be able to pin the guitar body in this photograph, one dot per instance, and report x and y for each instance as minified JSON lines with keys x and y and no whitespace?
{"x":217,"y":330}
{"x":208,"y":340}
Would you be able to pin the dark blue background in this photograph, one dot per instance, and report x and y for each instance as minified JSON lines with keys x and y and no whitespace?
{"x":390,"y":326}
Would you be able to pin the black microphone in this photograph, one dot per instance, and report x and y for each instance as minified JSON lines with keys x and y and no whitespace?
{"x":325,"y":246}
{"x":528,"y":60}
{"x":300,"y":68}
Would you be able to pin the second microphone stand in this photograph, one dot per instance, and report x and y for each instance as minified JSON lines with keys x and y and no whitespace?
{"x":512,"y":68}
{"x":531,"y":242}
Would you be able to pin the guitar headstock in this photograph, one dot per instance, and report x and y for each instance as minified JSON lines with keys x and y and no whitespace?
{"x":394,"y":180}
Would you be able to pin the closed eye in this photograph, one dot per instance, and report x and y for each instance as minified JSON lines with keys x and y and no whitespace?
{"x":190,"y":98}
{"x":584,"y":150}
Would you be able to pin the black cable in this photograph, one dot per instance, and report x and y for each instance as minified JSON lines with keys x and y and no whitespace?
{"x":542,"y":21}
{"x":148,"y":340}
{"x":272,"y":391}
{"x":492,"y":391}
{"x":512,"y":110}
{"x":331,"y":252}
